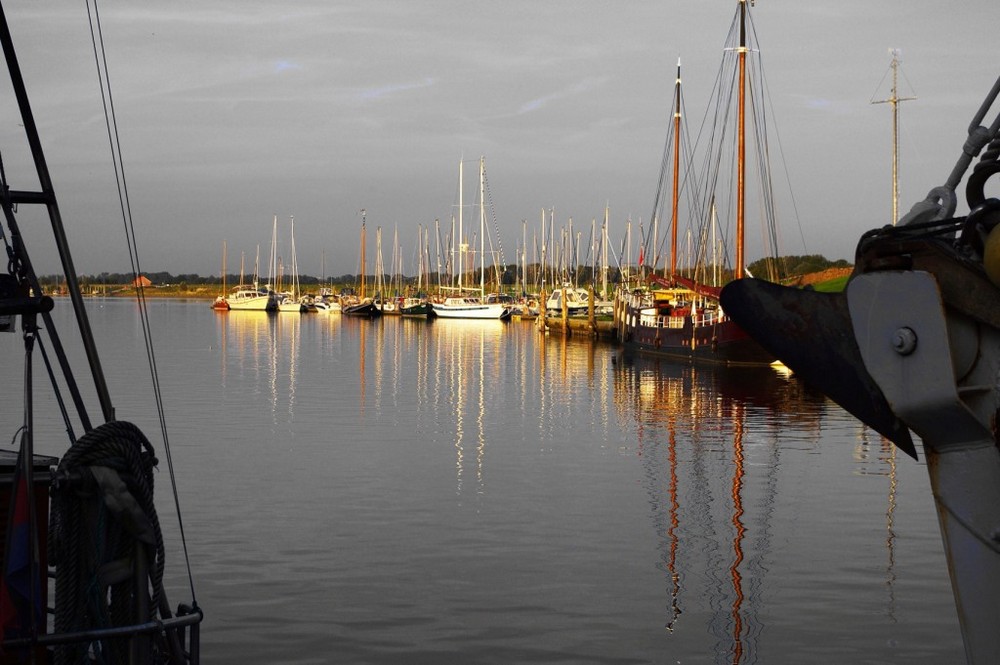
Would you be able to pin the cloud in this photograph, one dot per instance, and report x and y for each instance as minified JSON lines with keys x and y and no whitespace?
{"x":578,"y":88}
{"x":389,"y":90}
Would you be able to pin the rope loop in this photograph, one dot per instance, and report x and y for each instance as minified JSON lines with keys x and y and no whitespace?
{"x":104,"y":535}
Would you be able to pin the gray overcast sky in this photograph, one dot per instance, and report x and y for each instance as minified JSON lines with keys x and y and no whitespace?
{"x":230,"y":112}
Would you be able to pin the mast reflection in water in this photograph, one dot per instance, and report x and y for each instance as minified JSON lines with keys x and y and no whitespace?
{"x":456,"y":491}
{"x":698,"y":483}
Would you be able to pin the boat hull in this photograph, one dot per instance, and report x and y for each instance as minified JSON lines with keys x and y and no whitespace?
{"x":324,"y":307}
{"x":720,"y":342}
{"x":421,"y":311}
{"x":491,"y":311}
{"x":257,"y":304}
{"x":367,"y":309}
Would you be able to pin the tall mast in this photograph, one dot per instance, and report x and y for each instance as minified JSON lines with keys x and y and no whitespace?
{"x":543,"y":250}
{"x":894,"y":100}
{"x":604,"y":251}
{"x":482,"y":227}
{"x":461,"y":239}
{"x":741,"y":145}
{"x":362,"y":254}
{"x":677,"y":162}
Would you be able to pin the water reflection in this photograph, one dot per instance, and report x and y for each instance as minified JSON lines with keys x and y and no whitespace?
{"x":474,"y":407}
{"x":465,"y":367}
{"x":260,"y":350}
{"x":708,"y":441}
{"x":876,"y":456}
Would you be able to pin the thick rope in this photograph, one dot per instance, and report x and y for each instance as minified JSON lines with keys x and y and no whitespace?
{"x":94,"y":542}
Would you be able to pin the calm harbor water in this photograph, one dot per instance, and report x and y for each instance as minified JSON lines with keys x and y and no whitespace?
{"x":399,"y":491}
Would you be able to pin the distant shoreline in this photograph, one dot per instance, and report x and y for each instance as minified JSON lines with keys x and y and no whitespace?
{"x":199,"y":292}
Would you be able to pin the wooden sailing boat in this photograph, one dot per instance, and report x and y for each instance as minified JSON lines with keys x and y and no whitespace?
{"x":105,"y":548}
{"x":680,"y":317}
{"x":364,"y":306}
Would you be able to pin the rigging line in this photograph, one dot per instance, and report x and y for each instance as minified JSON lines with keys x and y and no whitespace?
{"x":55,"y":389}
{"x":766,"y":90}
{"x":104,"y":79}
{"x":493,"y":214}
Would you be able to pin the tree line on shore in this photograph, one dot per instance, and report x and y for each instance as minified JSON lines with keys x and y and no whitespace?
{"x":788,"y":267}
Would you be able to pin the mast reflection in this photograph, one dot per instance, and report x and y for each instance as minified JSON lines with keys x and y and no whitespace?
{"x":708,"y":441}
{"x":261,"y":351}
{"x":466,"y":362}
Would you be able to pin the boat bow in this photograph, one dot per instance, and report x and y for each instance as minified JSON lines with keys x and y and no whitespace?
{"x":914,"y":344}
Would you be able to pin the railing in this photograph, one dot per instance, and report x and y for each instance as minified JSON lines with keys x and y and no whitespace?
{"x":182,"y":633}
{"x":701,"y":318}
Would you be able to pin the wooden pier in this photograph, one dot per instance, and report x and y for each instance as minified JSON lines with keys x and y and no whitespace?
{"x":601,"y":328}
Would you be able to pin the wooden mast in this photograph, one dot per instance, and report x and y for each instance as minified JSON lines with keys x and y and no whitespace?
{"x":362,"y":296}
{"x":677,"y":162}
{"x":741,"y":146}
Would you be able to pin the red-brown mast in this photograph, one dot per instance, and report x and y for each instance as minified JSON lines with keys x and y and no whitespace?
{"x":741,"y":145}
{"x":677,"y":162}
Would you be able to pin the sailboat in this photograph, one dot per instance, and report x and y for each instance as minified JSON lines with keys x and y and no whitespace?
{"x":221,"y":304}
{"x":363,"y":305}
{"x":251,"y":296}
{"x":475,"y":307}
{"x":293,"y":302}
{"x":680,"y":317}
{"x":103,"y":544}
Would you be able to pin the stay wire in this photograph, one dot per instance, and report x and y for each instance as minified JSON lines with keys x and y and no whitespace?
{"x":104,"y":80}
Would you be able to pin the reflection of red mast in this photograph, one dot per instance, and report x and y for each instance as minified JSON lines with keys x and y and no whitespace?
{"x":675,"y":579}
{"x":739,"y":531}
{"x":361,"y":365}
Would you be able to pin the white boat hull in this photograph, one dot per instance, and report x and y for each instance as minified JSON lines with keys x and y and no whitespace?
{"x":255,"y":303}
{"x":470,"y":310}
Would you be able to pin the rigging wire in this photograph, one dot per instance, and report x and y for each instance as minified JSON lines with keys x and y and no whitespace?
{"x":104,"y":81}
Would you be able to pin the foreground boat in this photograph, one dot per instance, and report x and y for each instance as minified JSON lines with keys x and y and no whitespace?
{"x":105,"y":548}
{"x":913,"y":343}
{"x":679,"y":317}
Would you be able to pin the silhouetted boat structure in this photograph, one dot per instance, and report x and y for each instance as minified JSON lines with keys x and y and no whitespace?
{"x":913,"y":343}
{"x":105,"y":549}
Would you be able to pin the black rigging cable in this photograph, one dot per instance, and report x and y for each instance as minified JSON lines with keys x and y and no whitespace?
{"x":104,"y":80}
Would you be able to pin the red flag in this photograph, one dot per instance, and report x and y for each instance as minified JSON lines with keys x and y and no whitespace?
{"x":21,"y":608}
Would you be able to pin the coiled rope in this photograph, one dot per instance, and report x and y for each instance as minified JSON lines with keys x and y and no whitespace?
{"x":103,"y":529}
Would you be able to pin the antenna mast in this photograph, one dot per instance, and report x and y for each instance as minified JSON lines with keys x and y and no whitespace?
{"x":894,"y":100}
